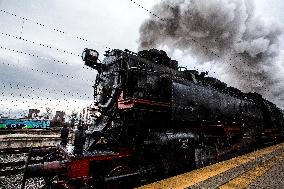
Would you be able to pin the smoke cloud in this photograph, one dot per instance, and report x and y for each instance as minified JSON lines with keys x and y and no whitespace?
{"x":223,"y":32}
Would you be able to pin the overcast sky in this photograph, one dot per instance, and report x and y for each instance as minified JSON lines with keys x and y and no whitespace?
{"x":108,"y":23}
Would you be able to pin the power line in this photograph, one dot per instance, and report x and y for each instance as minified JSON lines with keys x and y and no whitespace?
{"x":150,"y":12}
{"x":134,"y":2}
{"x":40,"y":44}
{"x":49,"y":27}
{"x":32,"y":90}
{"x":44,"y":90}
{"x":34,"y":96}
{"x":40,"y":24}
{"x":40,"y":57}
{"x":51,"y":73}
{"x":61,"y":31}
{"x":30,"y":98}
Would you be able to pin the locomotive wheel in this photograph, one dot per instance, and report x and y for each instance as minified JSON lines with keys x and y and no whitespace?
{"x":117,"y":171}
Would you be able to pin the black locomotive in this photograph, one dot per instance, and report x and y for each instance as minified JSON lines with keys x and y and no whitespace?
{"x":155,"y":119}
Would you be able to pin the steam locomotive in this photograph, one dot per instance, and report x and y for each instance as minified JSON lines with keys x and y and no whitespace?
{"x":155,"y":119}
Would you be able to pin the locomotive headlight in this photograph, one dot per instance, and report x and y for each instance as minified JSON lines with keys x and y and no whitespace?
{"x":90,"y":55}
{"x":91,"y":58}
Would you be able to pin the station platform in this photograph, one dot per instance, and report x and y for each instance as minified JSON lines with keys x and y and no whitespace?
{"x":259,"y":169}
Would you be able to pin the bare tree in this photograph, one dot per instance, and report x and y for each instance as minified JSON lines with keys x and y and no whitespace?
{"x":73,"y":118}
{"x":48,"y":113}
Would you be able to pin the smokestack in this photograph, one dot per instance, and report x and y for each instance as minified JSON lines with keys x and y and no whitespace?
{"x":223,"y":32}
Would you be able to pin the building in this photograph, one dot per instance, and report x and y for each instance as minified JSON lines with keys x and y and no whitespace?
{"x":59,"y":119}
{"x":33,"y":113}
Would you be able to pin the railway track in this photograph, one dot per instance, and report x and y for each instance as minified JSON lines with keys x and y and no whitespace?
{"x":13,"y":171}
{"x":15,"y":167}
{"x":13,"y":150}
{"x":29,"y":131}
{"x":19,"y":150}
{"x":214,"y":176}
{"x":12,"y":164}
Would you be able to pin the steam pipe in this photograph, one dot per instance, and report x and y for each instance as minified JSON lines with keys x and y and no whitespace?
{"x":46,"y":169}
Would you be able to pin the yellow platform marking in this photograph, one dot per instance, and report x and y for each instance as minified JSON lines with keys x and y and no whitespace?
{"x":245,"y":179}
{"x":191,"y":178}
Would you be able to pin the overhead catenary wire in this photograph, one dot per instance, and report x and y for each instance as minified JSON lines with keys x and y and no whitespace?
{"x":43,"y":45}
{"x":150,"y":12}
{"x":49,"y":91}
{"x":50,"y":73}
{"x":60,"y":31}
{"x":33,"y":90}
{"x":28,"y":98}
{"x":51,"y":28}
{"x":68,"y":102}
{"x":20,"y":95}
{"x":40,"y":57}
{"x":32,"y":96}
{"x":40,"y":24}
{"x":30,"y":102}
{"x":40,"y":44}
{"x":81,"y":38}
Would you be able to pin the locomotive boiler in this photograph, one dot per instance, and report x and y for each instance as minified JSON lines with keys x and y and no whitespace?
{"x":154,"y":119}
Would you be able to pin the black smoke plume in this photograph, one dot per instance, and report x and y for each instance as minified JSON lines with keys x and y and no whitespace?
{"x":224,"y":32}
